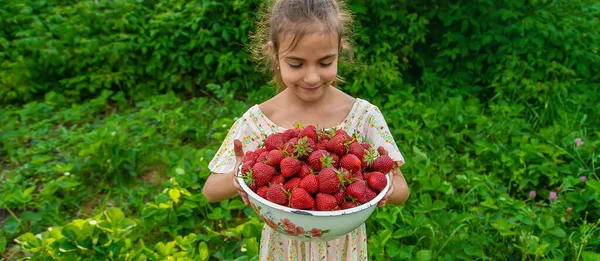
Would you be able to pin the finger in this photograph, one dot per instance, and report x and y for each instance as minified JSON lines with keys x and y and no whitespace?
{"x":382,"y":151}
{"x":237,"y":148}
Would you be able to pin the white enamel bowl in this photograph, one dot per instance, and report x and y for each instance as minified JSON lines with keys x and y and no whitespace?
{"x":307,"y":225}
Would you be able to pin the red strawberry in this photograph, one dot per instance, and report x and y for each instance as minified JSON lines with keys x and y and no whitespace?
{"x":259,"y":151}
{"x":275,"y":141}
{"x":342,"y":132}
{"x":262,"y":191}
{"x":336,"y":160}
{"x":310,"y":132}
{"x":366,"y":145}
{"x":262,"y":174}
{"x":289,"y":146}
{"x":370,"y":194}
{"x":250,"y":156}
{"x":277,"y":194}
{"x":337,"y":145}
{"x":310,"y":183}
{"x":246,"y":166}
{"x":329,"y":182}
{"x":301,"y":199}
{"x":304,"y":147}
{"x":348,"y":204}
{"x":262,"y":157}
{"x":325,"y":202}
{"x":339,"y":196}
{"x":383,"y":164}
{"x":304,"y":171}
{"x":351,"y":162}
{"x":358,"y":175}
{"x":277,"y":179}
{"x":318,"y":158}
{"x":274,"y":158}
{"x":322,"y":145}
{"x":357,"y":190}
{"x":290,"y":166}
{"x":292,"y":183}
{"x":377,"y":181}
{"x":357,"y":149}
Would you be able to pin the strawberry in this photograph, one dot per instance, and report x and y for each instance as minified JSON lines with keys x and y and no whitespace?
{"x":250,"y":156}
{"x":348,"y":204}
{"x":319,"y":159}
{"x":339,"y":196}
{"x":338,"y":145}
{"x":275,"y":141}
{"x":262,"y":157}
{"x":277,"y":179}
{"x":262,"y":191}
{"x":304,"y":147}
{"x":246,"y":166}
{"x":304,"y":170}
{"x":301,"y":199}
{"x":325,"y":202}
{"x":358,"y":175}
{"x":336,"y":160}
{"x":292,"y":183}
{"x":366,"y":145}
{"x":357,"y":190}
{"x":259,"y":151}
{"x":274,"y":157}
{"x":357,"y":149}
{"x":262,"y":173}
{"x":329,"y":182}
{"x":310,"y":183}
{"x":277,"y":195}
{"x":377,"y":181}
{"x":310,"y":132}
{"x":290,"y":166}
{"x":342,"y":132}
{"x":322,"y":145}
{"x":351,"y":162}
{"x":383,"y":164}
{"x":370,"y":194}
{"x":289,"y":146}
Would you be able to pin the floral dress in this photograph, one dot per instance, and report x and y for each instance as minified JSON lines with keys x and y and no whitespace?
{"x":366,"y":120}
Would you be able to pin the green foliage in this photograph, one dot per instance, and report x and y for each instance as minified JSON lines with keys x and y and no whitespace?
{"x":79,"y":48}
{"x":111,"y":112}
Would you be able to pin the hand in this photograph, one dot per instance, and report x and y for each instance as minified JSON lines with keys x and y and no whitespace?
{"x":239,"y":158}
{"x":381,"y":203}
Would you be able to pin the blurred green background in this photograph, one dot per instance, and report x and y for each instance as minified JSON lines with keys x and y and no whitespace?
{"x":111,"y":110}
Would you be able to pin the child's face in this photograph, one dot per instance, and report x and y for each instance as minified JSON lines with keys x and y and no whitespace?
{"x":311,"y":67}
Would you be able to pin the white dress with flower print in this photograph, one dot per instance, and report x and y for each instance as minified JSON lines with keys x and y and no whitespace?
{"x":366,"y":120}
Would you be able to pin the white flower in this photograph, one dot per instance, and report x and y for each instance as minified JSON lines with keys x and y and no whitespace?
{"x":243,"y":249}
{"x":67,"y":173}
{"x":202,"y":159}
{"x":49,"y":228}
{"x":93,"y":222}
{"x":39,"y":236}
{"x":113,"y":133}
{"x":165,"y":190}
{"x":179,"y":171}
{"x":224,"y":125}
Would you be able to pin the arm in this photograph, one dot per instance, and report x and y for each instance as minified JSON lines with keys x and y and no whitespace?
{"x":219,"y":187}
{"x":400,"y":191}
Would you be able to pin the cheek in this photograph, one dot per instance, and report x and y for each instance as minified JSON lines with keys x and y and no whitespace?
{"x":329,"y":73}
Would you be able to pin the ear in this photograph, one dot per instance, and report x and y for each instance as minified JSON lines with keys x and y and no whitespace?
{"x":273,"y":52}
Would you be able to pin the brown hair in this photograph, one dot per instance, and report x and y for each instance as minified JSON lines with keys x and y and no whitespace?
{"x":298,"y":18}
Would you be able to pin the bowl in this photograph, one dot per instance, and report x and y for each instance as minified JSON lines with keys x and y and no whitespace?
{"x":305,"y":225}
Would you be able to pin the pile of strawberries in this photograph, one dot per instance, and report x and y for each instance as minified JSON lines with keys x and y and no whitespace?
{"x":316,"y":169}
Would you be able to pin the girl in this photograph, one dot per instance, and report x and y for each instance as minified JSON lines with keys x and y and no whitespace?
{"x":303,"y":41}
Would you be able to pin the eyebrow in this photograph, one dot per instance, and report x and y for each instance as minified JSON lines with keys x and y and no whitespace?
{"x":301,"y":59}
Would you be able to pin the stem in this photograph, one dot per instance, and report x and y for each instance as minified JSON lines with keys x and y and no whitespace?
{"x":13,"y":215}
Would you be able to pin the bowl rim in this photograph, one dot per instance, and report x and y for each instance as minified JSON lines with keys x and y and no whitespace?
{"x":318,"y":213}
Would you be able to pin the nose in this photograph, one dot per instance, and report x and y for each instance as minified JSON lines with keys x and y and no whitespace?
{"x":312,"y":77}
